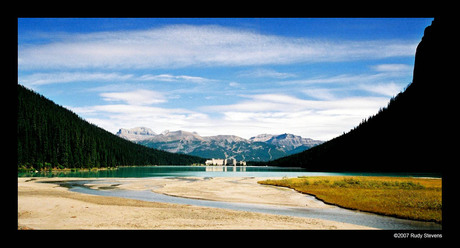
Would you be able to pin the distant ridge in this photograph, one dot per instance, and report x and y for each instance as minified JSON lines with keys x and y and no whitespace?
{"x":406,"y":136}
{"x":137,"y":133}
{"x":50,"y":136}
{"x":263,"y":147}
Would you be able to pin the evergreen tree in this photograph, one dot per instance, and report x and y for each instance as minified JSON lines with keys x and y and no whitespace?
{"x":49,"y":135}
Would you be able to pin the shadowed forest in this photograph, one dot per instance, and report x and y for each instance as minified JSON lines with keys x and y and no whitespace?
{"x":50,"y":136}
{"x":403,"y":137}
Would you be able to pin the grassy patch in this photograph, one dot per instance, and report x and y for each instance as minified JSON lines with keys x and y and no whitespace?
{"x":411,"y":198}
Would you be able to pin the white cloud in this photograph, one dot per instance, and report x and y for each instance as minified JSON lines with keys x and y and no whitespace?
{"x":138,"y":97}
{"x":279,"y":113}
{"x":382,"y":82}
{"x":174,"y":78}
{"x":234,"y":84}
{"x":186,"y":45}
{"x":393,"y":68}
{"x":319,"y":93}
{"x":260,"y":73}
{"x":273,"y":113}
{"x":115,"y":116}
{"x":36,"y":79}
{"x":342,"y":78}
{"x":389,"y":89}
{"x":286,"y":103}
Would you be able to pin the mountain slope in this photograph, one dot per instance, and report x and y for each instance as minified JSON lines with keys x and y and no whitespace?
{"x":403,"y":137}
{"x":49,"y":135}
{"x":260,"y":148}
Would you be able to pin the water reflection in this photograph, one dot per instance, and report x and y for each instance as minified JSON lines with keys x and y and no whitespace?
{"x":225,"y":168}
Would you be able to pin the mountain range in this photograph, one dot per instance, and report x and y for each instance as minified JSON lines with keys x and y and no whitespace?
{"x":263,"y":147}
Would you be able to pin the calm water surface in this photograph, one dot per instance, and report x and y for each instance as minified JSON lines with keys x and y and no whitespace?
{"x":208,"y":171}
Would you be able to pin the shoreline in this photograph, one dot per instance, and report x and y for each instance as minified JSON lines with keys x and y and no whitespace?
{"x":54,"y":170}
{"x":50,"y":206}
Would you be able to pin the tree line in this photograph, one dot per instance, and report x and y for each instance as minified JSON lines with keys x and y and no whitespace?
{"x":50,"y":136}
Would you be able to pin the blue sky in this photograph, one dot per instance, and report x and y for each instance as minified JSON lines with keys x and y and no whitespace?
{"x":314,"y":77}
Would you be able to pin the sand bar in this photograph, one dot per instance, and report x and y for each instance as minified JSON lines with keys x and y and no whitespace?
{"x":49,"y":206}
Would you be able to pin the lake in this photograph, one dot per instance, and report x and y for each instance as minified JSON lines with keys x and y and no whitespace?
{"x":209,"y":171}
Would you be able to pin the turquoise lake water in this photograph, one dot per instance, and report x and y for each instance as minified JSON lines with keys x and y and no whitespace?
{"x":209,"y":171}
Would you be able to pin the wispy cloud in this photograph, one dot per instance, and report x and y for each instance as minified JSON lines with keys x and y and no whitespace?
{"x":58,"y":77}
{"x":265,"y":73}
{"x":389,"y":89}
{"x":393,"y":68}
{"x":68,"y":77}
{"x":287,"y":103}
{"x":115,"y":116}
{"x":185,"y":45}
{"x":324,"y":119}
{"x":319,"y":93}
{"x":175,"y":78}
{"x":342,"y":78}
{"x":278,"y":113}
{"x":138,"y":97}
{"x":382,"y":81}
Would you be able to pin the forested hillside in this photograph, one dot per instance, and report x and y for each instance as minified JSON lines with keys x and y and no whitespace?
{"x":407,"y":135}
{"x":49,"y":135}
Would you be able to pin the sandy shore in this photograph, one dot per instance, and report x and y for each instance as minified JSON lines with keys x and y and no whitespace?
{"x":49,"y":206}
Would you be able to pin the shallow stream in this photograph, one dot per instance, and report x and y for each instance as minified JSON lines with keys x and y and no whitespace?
{"x":333,"y":214}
